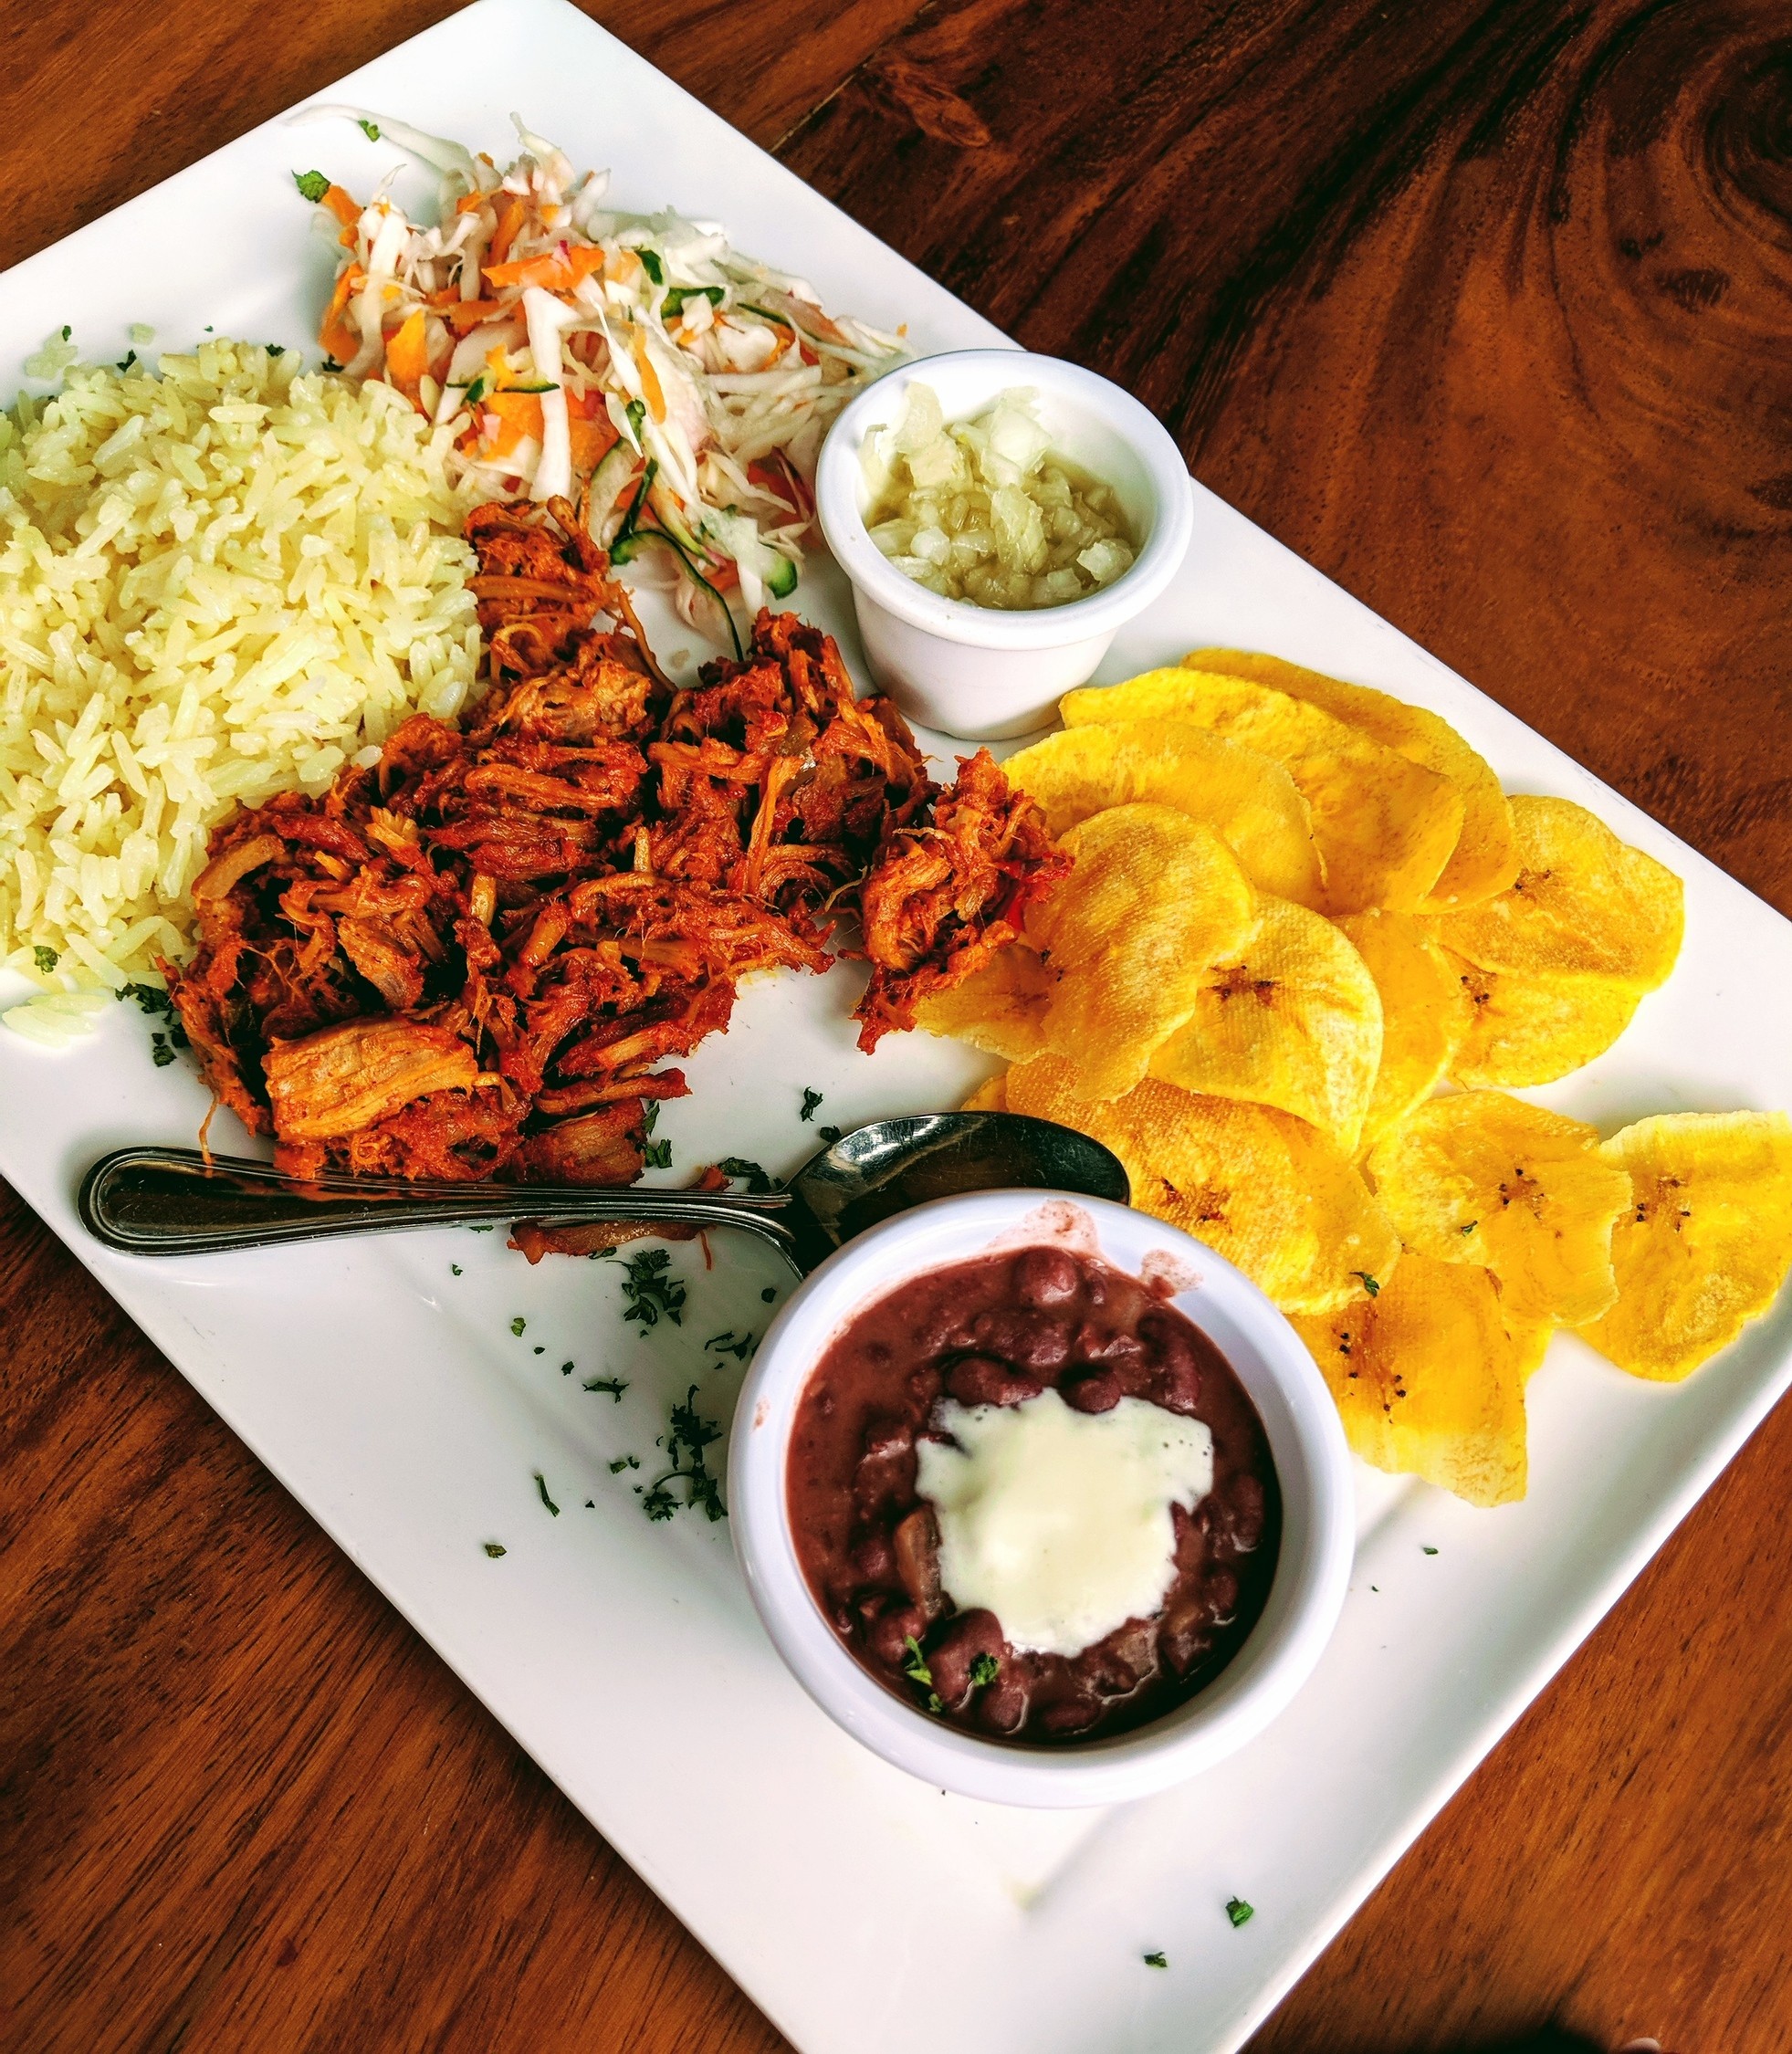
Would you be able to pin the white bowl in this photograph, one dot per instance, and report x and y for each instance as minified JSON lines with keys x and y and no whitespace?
{"x":977,"y":671}
{"x":1305,"y":1442}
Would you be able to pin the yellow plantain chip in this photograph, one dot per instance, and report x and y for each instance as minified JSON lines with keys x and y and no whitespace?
{"x":1480,"y":1179}
{"x":1424,"y":1013}
{"x":1385,"y":826}
{"x":1486,"y":858}
{"x":1427,"y":1381}
{"x":1584,"y":903}
{"x":1706,"y":1241}
{"x":1154,"y":898}
{"x":991,"y":1095}
{"x":1263,"y":1190}
{"x":1530,"y":1341}
{"x":1293,"y":1020}
{"x":1000,"y":1008}
{"x":1533,"y":1029}
{"x":1250,"y":801}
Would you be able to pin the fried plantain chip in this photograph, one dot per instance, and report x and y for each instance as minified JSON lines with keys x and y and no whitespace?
{"x":1530,"y":1341}
{"x":1259,"y":1188}
{"x":991,"y":1095}
{"x":1154,"y":899}
{"x":1250,"y":801}
{"x":999,"y":1009}
{"x":1706,"y":1243}
{"x":1486,"y":858}
{"x":1427,"y":1381}
{"x":1479,"y":1177}
{"x":1293,"y":1020}
{"x":1533,"y":1029}
{"x":1424,"y":1013}
{"x":1584,"y":903}
{"x":1385,"y":826}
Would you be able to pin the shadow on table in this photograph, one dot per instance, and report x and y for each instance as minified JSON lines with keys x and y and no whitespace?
{"x":1545,"y":2039}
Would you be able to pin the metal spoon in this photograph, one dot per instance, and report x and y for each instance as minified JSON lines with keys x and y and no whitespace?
{"x":172,"y":1201}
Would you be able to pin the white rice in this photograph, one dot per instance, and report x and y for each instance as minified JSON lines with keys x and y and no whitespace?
{"x":217,"y":581}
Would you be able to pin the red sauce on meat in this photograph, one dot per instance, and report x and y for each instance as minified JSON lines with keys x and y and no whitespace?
{"x":997,"y":1331}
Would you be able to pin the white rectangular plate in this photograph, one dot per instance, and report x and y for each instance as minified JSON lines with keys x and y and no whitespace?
{"x":389,"y":1394}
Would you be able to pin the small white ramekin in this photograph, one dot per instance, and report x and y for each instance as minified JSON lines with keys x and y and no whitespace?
{"x":1306,"y":1445}
{"x":977,"y":671}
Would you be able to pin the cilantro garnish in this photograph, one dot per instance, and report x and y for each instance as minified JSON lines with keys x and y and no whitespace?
{"x":1370,"y":1283}
{"x":312,"y":185}
{"x":651,"y":1293}
{"x":370,"y":130}
{"x":758,"y":1182}
{"x":616,"y":1386}
{"x":726,"y":1344}
{"x":160,"y":1054}
{"x":687,"y":1435}
{"x":517,"y":1324}
{"x":652,"y":266}
{"x":46,"y":958}
{"x":622,"y":1463}
{"x":916,"y":1669}
{"x":1239,"y":1912}
{"x":1155,"y":1960}
{"x":656,"y":1154}
{"x":811,"y":1099}
{"x":541,"y":1487}
{"x":496,"y":1548}
{"x":152,"y":998}
{"x":984,"y":1670}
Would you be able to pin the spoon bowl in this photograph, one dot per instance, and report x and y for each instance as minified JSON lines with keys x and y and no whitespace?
{"x":179,"y":1201}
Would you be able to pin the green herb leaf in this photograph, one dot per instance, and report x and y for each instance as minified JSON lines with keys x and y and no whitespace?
{"x":652,"y":1119}
{"x":126,"y":361}
{"x":622,"y":1463}
{"x":652,"y":266}
{"x":984,"y":1670}
{"x":150,"y":998}
{"x":541,"y":1486}
{"x":540,"y":1349}
{"x":1428,"y":1551}
{"x":769,"y":1293}
{"x":66,"y":332}
{"x":829,"y":1133}
{"x":160,"y":1054}
{"x":916,"y":1668}
{"x":46,"y":958}
{"x":686,"y":1437}
{"x":614,"y":1385}
{"x":651,"y":1293}
{"x":1239,"y":1912}
{"x":656,"y":1154}
{"x":312,"y":185}
{"x":275,"y":349}
{"x":811,"y":1099}
{"x":678,"y":296}
{"x":370,"y":130}
{"x":566,"y":1368}
{"x":497,"y":1548}
{"x":740,"y":1348}
{"x":1370,"y":1283}
{"x":758,"y":1182}
{"x":517,"y":1324}
{"x":453,"y":1269}
{"x":1157,"y":1960}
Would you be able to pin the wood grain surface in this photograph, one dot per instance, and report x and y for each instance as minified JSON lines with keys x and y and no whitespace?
{"x":1486,"y":308}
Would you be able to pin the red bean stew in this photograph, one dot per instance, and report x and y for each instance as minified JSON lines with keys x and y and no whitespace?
{"x":997,"y":1331}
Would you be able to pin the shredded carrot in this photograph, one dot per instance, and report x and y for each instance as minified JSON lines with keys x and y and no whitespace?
{"x":510,"y":220}
{"x":518,"y":417}
{"x":334,"y":333}
{"x":468,"y":201}
{"x":407,"y":356}
{"x":593,"y":439}
{"x":650,"y":384}
{"x":465,"y":315}
{"x":556,"y":270}
{"x":343,"y":205}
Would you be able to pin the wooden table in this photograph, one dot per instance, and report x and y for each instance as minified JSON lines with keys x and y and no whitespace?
{"x":1481,"y":307}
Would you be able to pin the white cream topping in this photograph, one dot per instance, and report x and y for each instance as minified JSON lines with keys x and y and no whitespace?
{"x":1058,"y":1521}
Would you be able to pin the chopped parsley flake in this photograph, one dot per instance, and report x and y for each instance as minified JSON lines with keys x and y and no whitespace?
{"x":1471,"y":1226}
{"x":622,"y":1463}
{"x":616,"y":1386}
{"x":984,"y":1670}
{"x":125,"y":361}
{"x":66,"y":332}
{"x":652,"y":266}
{"x":566,"y":1368}
{"x":769,"y":1293}
{"x":726,"y":1344}
{"x":1239,"y":1912}
{"x":811,"y":1099}
{"x":370,"y":130}
{"x":1371,"y":1285}
{"x":829,"y":1133}
{"x":496,"y":1548}
{"x":651,"y":1293}
{"x":453,"y":1269}
{"x":687,"y":1435}
{"x":152,"y":998}
{"x":540,"y":1350}
{"x":275,"y":349}
{"x":656,"y":1154}
{"x":312,"y":185}
{"x":46,"y":958}
{"x":758,"y":1182}
{"x":916,"y":1669}
{"x":1155,"y":1960}
{"x":517,"y":1324}
{"x":160,"y":1054}
{"x":541,"y":1486}
{"x":1428,"y":1551}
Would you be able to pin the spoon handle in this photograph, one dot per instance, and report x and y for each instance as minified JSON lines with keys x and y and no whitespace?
{"x":174,"y":1201}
